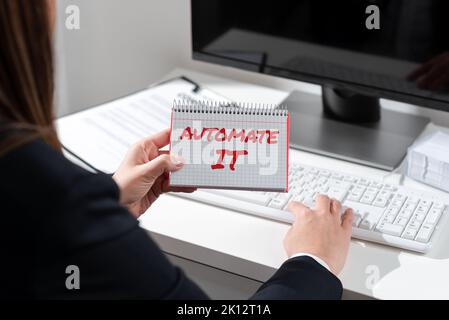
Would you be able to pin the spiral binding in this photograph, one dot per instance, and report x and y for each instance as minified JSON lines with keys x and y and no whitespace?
{"x":217,"y":107}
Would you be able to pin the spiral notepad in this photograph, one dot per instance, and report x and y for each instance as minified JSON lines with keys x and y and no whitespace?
{"x":243,"y":147}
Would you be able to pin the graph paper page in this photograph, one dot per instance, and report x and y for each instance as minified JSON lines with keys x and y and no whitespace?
{"x":231,"y":151}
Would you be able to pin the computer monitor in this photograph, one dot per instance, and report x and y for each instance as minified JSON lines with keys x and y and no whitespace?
{"x":358,"y":51}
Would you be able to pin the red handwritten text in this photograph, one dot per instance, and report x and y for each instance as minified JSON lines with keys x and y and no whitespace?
{"x":233,"y":153}
{"x":224,"y":135}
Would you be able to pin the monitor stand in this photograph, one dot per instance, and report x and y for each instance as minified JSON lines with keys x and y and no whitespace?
{"x":351,"y":127}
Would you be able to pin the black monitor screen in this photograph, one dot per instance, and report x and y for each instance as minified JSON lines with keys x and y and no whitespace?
{"x":400,"y":51}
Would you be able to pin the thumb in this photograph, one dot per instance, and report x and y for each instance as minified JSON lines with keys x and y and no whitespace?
{"x":162,"y":164}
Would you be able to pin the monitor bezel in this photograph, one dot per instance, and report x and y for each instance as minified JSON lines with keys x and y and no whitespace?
{"x":380,"y":93}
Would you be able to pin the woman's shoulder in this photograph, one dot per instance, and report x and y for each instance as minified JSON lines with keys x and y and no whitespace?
{"x":38,"y":176}
{"x":61,"y":200}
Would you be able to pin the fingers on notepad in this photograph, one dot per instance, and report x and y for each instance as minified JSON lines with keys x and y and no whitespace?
{"x":160,"y":139}
{"x":162,"y":164}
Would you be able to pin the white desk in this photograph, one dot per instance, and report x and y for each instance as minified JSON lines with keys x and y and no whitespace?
{"x":252,"y":247}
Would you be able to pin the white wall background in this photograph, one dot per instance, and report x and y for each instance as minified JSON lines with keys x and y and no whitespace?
{"x":122,"y":46}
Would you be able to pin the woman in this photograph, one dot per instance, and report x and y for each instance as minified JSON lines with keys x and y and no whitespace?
{"x":55,"y":214}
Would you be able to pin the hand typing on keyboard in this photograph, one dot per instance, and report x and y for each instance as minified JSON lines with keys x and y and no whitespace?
{"x":322,"y":232}
{"x":389,"y":214}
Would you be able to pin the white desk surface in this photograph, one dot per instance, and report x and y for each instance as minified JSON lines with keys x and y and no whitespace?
{"x":252,"y":246}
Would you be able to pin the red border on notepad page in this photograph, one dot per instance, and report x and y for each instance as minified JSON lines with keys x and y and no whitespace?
{"x":169,"y":146}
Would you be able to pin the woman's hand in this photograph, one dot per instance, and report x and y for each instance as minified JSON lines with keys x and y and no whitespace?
{"x":143,"y":175}
{"x":322,"y":232}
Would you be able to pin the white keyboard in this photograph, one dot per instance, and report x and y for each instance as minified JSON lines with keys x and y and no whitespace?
{"x":384,"y":213}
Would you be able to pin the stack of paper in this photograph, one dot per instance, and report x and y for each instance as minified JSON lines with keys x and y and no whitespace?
{"x":428,"y":161}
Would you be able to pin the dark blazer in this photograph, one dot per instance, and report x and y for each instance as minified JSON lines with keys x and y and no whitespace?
{"x":55,"y":214}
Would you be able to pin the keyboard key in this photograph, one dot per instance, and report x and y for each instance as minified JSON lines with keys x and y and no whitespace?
{"x":400,"y":196}
{"x":359,"y":189}
{"x":357,"y":219}
{"x":410,"y":233}
{"x":322,"y":180}
{"x":390,"y":228}
{"x":279,"y":203}
{"x":419,"y":217}
{"x":293,"y":190}
{"x":425,"y":233}
{"x":353,"y":196}
{"x":389,"y":187}
{"x":308,"y":178}
{"x":298,"y":198}
{"x":308,"y":194}
{"x":381,"y":201}
{"x":337,"y":193}
{"x":350,"y":179}
{"x":392,"y":211}
{"x":372,"y":190}
{"x":413,"y":200}
{"x":398,"y":200}
{"x":425,"y":203}
{"x":297,"y":184}
{"x":325,"y":173}
{"x":422,"y":209}
{"x":339,"y":184}
{"x":283,"y":196}
{"x":434,"y":216}
{"x":414,"y":223}
{"x":389,"y":218}
{"x":438,"y":205}
{"x":366,"y":224}
{"x":368,"y":198}
{"x":337,"y":176}
{"x":313,"y":185}
{"x":406,"y":213}
{"x":376,"y":185}
{"x":410,"y":205}
{"x":401,"y":221}
{"x":364,"y":182}
{"x":386,"y":194}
